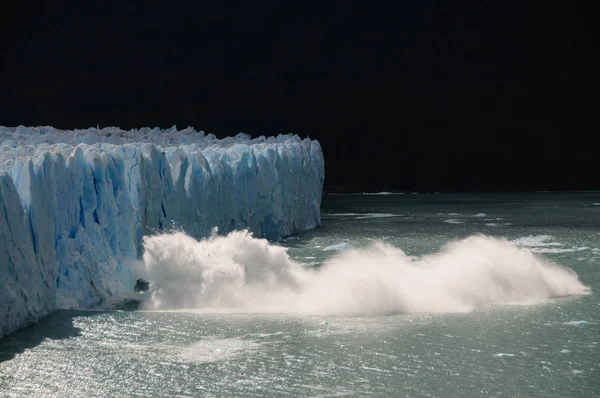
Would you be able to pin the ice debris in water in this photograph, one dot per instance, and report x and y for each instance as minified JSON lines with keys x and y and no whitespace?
{"x":577,"y":323}
{"x":453,"y":221}
{"x":504,"y":355}
{"x":77,"y":204}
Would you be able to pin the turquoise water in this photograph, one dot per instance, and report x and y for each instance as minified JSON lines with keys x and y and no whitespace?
{"x":494,"y":350}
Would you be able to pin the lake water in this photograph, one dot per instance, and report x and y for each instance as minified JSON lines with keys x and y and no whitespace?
{"x":466,"y":322}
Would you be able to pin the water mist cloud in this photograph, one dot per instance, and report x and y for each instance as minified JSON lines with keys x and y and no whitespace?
{"x":238,"y":272}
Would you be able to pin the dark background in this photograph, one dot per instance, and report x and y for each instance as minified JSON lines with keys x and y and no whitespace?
{"x":418,"y":95}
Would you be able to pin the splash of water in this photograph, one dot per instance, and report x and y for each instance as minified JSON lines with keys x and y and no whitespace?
{"x":238,"y":272}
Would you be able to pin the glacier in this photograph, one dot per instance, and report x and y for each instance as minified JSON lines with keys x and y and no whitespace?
{"x":76,"y":204}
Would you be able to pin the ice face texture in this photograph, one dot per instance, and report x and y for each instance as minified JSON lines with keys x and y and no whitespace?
{"x":74,"y":205}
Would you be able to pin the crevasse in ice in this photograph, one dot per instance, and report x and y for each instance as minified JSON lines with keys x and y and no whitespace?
{"x":74,"y":205}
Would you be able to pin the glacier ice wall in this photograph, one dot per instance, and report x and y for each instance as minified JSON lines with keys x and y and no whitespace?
{"x":74,"y":205}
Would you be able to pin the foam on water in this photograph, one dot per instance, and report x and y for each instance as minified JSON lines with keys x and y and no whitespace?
{"x":336,"y":247}
{"x":241,"y":273}
{"x":536,"y":241}
{"x":540,"y":244}
{"x":556,"y":250}
{"x":362,"y":216}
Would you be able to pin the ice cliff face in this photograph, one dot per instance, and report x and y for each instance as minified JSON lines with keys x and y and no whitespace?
{"x":74,"y":205}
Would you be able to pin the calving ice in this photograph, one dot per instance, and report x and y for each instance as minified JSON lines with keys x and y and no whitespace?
{"x":81,"y":222}
{"x":75,"y":205}
{"x":242,"y":273}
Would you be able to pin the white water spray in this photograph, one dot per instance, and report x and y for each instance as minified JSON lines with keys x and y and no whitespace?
{"x":240,"y":273}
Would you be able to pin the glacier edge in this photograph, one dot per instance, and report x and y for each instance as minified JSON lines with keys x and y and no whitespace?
{"x":75,"y":205}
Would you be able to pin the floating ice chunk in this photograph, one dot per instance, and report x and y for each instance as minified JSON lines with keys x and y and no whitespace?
{"x":577,"y":323}
{"x":362,"y":216}
{"x":336,"y":247}
{"x":480,"y":215}
{"x":369,"y":193}
{"x":453,"y":221}
{"x":380,"y":193}
{"x":495,"y":224}
{"x":376,"y":215}
{"x":576,"y":371}
{"x":504,"y":355}
{"x":565,"y":351}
